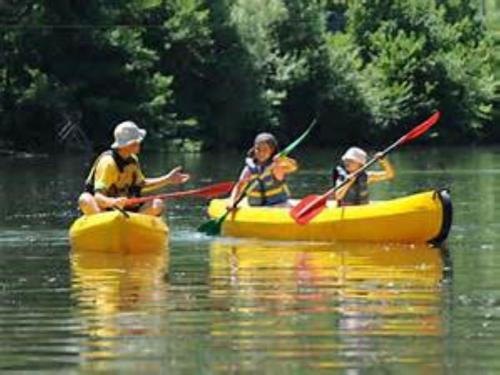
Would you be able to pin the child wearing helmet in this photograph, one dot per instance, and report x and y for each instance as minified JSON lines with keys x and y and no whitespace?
{"x":356,"y":191}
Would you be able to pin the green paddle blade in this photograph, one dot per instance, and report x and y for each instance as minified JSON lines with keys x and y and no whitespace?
{"x":213,"y":227}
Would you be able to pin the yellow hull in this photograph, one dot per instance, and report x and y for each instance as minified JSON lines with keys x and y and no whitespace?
{"x":115,"y":232}
{"x":418,"y":218}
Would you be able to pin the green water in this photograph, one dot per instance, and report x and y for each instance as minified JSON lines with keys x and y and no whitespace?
{"x":226,"y":306}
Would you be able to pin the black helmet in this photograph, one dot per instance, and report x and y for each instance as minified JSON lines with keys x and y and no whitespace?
{"x":266,"y":138}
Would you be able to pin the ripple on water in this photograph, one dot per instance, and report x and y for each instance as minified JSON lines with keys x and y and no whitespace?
{"x":10,"y":238}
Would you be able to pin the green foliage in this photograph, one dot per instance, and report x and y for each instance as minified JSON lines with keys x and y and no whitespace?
{"x":274,"y":71}
{"x":346,"y":107}
{"x":302,"y":36}
{"x":423,"y":56}
{"x":218,"y":71}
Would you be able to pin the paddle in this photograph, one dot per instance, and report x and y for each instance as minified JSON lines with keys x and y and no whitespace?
{"x":209,"y":191}
{"x":312,"y":205}
{"x":213,"y":227}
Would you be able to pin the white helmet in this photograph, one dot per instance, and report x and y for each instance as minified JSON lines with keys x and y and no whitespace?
{"x":355,"y":154}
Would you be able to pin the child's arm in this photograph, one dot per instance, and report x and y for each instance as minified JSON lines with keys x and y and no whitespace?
{"x":283,"y":166}
{"x":340,"y":193}
{"x":387,"y":174}
{"x":238,"y":187}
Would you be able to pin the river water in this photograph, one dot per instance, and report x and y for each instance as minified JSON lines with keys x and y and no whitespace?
{"x":219,"y":305}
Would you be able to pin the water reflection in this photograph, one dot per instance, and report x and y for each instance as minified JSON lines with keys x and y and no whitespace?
{"x":120,"y":297}
{"x":328,"y":305}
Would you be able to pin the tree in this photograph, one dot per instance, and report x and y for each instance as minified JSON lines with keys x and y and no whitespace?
{"x":424,"y":56}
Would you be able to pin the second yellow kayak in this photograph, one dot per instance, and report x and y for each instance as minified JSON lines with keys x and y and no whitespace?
{"x":418,"y":218}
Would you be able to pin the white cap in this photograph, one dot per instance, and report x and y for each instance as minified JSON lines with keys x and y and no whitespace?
{"x":355,"y":154}
{"x":127,"y":133}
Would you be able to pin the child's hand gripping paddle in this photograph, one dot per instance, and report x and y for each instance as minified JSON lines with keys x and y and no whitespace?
{"x":309,"y":207}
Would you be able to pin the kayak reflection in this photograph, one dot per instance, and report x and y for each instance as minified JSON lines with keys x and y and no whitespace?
{"x":336,"y":300}
{"x":117,"y":295}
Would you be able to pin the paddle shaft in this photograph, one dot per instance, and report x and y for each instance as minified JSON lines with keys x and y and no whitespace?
{"x":205,"y":192}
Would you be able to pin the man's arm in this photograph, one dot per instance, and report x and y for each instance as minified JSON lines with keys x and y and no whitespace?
{"x":174,"y":177}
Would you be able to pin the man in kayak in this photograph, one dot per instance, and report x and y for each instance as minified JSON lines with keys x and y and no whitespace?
{"x":356,"y":192}
{"x":116,"y":175}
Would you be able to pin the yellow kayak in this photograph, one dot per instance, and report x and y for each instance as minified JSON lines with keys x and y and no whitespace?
{"x":115,"y":231}
{"x":418,"y":218}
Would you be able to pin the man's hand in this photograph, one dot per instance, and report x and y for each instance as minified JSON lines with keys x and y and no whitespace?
{"x":176,"y":177}
{"x":119,"y":202}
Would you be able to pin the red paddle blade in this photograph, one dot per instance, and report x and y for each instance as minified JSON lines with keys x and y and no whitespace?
{"x":421,"y":129}
{"x":215,"y":190}
{"x":308,"y":208}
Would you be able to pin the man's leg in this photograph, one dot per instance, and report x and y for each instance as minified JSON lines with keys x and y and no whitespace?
{"x":88,"y":204}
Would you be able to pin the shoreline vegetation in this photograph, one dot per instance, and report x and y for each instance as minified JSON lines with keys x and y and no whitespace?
{"x":202,"y":75}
